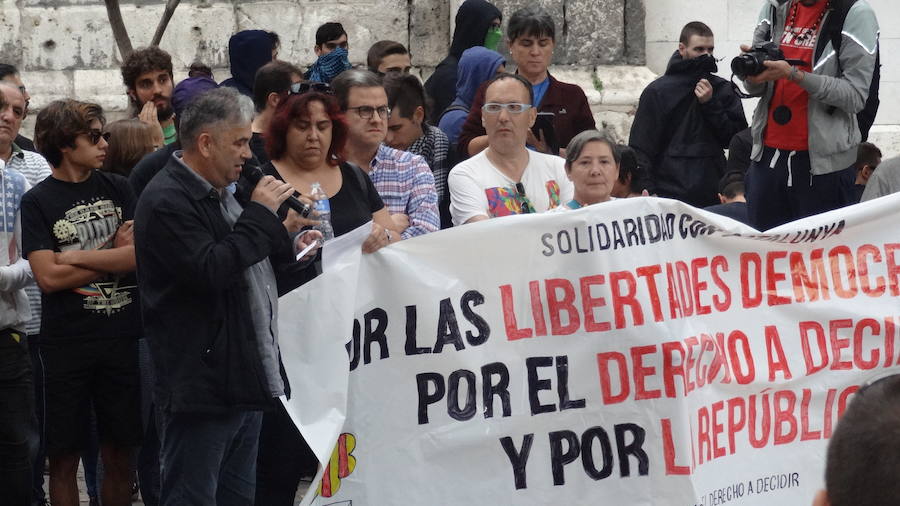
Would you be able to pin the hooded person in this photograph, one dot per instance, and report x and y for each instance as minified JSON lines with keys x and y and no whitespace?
{"x":477,"y":24}
{"x":248,"y":50}
{"x":477,"y":65}
{"x":685,"y":120}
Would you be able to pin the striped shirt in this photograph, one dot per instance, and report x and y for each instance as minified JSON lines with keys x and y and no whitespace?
{"x":35,"y":169}
{"x":406,"y":186}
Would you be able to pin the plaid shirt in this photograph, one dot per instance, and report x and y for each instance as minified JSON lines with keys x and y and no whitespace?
{"x":434,"y":147}
{"x":406,"y":186}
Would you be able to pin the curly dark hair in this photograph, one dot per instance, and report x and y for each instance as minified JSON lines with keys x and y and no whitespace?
{"x":59,"y":123}
{"x":142,"y":60}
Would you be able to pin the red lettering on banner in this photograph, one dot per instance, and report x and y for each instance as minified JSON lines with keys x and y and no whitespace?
{"x":669,"y":450}
{"x":829,"y":405}
{"x":699,"y":286}
{"x":717,"y":429}
{"x":889,"y":338}
{"x":557,"y":306}
{"x":689,"y":363}
{"x":684,"y":288}
{"x":674,"y":305}
{"x":649,"y":274}
{"x":858,"y":361}
{"x":641,"y":372}
{"x":670,"y":369}
{"x":513,"y":332}
{"x":603,"y":361}
{"x":814,"y":281}
{"x":862,"y":269}
{"x":628,"y":298}
{"x":537,"y":309}
{"x":703,"y":436}
{"x":751,"y":299}
{"x":784,"y":416}
{"x":775,"y":354}
{"x":735,"y":424}
{"x":834,"y":259}
{"x":588,"y":303}
{"x":838,"y":345}
{"x":805,"y":433}
{"x":813,"y":367}
{"x":893,"y":268}
{"x":739,"y":338}
{"x":773,"y":277}
{"x":759,"y":441}
{"x":720,"y":301}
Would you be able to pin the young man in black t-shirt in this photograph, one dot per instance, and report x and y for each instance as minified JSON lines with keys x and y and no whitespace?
{"x":77,"y":236}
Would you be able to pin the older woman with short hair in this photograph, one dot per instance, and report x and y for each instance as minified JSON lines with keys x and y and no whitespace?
{"x":592,"y":164}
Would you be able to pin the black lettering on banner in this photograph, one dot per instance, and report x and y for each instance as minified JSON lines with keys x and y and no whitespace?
{"x":546,"y":240}
{"x":376,"y":335}
{"x":490,"y":390}
{"x":469,"y":300}
{"x":535,"y":384}
{"x":587,"y":453}
{"x":423,"y":380}
{"x":448,"y":328}
{"x":634,"y":448}
{"x":558,"y":457}
{"x":466,"y":412}
{"x":518,"y":459}
{"x":562,"y":387}
{"x":353,"y":345}
{"x":410,"y":345}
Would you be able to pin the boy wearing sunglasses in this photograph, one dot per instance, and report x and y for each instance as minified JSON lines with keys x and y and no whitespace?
{"x":77,"y":236}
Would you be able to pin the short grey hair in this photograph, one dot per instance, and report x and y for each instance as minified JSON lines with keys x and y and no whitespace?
{"x":214,"y":107}
{"x":577,"y":144}
{"x":353,"y":78}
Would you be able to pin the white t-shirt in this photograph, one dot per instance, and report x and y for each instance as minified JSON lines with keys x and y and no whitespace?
{"x":477,"y":188}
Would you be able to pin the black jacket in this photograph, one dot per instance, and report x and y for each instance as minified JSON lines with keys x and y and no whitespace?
{"x":679,"y":141}
{"x":473,"y":19}
{"x":195,"y":310}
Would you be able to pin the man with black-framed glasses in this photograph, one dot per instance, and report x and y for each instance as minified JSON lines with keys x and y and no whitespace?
{"x":403,"y":180}
{"x":507,"y":178}
{"x":77,"y":237}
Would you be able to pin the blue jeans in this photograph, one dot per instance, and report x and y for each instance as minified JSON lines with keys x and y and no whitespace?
{"x":208,"y":458}
{"x":18,"y":423}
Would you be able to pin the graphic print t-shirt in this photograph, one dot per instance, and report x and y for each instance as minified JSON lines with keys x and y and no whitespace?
{"x":62,"y":216}
{"x":797,"y":43}
{"x":478,"y":188}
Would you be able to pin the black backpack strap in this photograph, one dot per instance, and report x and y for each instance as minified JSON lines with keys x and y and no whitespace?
{"x":360,"y":175}
{"x":834,"y":26}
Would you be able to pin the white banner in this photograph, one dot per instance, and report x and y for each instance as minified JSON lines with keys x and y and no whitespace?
{"x":631,"y":353}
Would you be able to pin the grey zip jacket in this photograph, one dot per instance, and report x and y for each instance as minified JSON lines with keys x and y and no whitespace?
{"x":833,"y":133}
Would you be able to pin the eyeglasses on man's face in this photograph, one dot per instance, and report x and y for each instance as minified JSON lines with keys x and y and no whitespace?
{"x":95,"y":135}
{"x":496,"y":107}
{"x":367,"y":111}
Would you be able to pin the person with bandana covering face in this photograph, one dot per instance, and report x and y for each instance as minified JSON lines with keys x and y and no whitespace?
{"x":805,"y":128}
{"x":477,"y":24}
{"x":685,"y":120}
{"x":332,"y":51}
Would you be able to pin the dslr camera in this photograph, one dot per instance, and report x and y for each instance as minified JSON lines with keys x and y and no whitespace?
{"x":751,"y":62}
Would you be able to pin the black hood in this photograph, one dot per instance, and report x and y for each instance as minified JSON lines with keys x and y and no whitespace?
{"x":473,"y":19}
{"x":700,"y":66}
{"x":248,"y":51}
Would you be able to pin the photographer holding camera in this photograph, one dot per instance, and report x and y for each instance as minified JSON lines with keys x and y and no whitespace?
{"x":805,"y":128}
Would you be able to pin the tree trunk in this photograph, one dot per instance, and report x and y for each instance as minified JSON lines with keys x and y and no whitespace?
{"x":171,"y":5}
{"x":123,"y":41}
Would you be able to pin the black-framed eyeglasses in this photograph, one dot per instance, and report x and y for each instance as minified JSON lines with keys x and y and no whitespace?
{"x":367,"y":111}
{"x":307,"y":86}
{"x":527,"y":208}
{"x":95,"y":135}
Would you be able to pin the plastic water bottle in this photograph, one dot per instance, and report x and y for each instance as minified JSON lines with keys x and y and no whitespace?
{"x":323,"y":211}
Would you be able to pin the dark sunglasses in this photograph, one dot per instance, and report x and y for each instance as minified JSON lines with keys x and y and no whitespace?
{"x":526,"y":204}
{"x":95,"y":135}
{"x":307,"y":86}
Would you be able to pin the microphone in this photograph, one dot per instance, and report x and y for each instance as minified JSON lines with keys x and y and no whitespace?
{"x":253,"y":174}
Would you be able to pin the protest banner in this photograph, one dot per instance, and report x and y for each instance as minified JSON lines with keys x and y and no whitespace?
{"x":635,"y":352}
